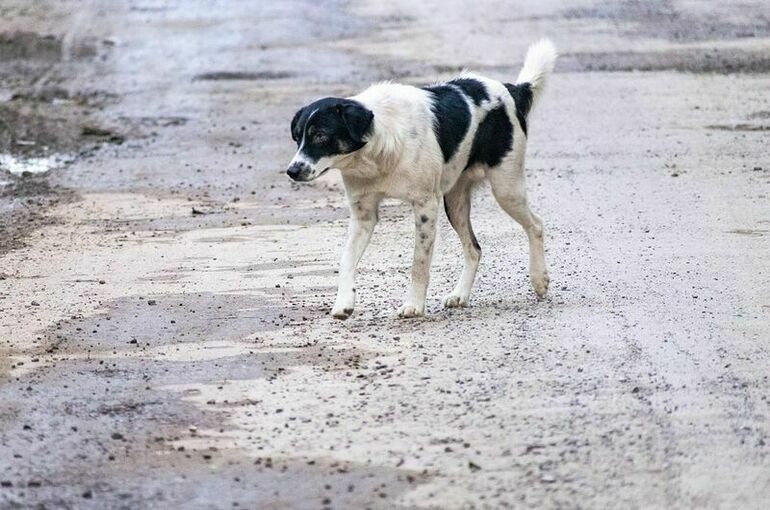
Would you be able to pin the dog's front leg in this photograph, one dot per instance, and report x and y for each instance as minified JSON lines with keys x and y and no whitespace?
{"x":363,"y":218}
{"x":425,"y":214}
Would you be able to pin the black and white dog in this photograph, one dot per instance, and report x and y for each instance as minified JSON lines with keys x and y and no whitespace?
{"x":425,"y":145}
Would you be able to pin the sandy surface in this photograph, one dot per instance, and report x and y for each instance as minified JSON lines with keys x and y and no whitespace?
{"x":165,"y":338}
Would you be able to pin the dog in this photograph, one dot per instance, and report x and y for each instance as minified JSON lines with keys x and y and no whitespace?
{"x":424,"y":146}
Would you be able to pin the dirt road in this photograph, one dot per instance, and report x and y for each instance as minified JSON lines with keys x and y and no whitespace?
{"x":165,"y":338}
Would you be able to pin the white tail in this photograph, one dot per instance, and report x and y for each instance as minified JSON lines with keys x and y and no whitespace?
{"x":541,"y":57}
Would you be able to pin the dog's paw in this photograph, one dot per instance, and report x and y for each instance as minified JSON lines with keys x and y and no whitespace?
{"x":342,"y":313}
{"x":407,"y":311}
{"x":344,"y":304}
{"x":540,"y":284}
{"x":455,"y":301}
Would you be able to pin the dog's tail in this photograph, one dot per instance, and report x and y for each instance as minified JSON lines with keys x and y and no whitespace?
{"x":538,"y":65}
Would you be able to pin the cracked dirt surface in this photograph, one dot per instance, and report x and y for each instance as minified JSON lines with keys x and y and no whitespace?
{"x":165,"y":338}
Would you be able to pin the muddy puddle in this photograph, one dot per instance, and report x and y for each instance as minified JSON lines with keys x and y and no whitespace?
{"x":19,"y":165}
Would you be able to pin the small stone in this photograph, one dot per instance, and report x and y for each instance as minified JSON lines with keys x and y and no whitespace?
{"x":547,"y":478}
{"x":152,"y":302}
{"x":117,"y":436}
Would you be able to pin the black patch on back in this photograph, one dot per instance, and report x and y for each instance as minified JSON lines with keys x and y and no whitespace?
{"x":472,"y":88}
{"x":452,"y":118}
{"x":493,"y":140}
{"x":522,"y":96}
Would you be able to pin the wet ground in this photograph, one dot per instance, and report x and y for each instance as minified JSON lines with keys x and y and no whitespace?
{"x":164,"y":290}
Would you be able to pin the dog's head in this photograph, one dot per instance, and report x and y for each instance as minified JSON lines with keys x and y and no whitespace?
{"x":324,"y":131}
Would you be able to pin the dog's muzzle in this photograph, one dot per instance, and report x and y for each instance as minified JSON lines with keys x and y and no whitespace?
{"x":299,"y":171}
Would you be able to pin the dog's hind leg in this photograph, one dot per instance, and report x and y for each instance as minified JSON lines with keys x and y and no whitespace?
{"x":363,"y":218}
{"x":457,"y":204}
{"x":508,"y":187}
{"x":425,"y":215}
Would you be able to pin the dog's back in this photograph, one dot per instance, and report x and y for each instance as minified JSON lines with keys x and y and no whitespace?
{"x":475,"y":121}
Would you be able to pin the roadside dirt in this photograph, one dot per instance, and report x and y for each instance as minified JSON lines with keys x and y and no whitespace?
{"x":46,"y":122}
{"x":165,"y":339}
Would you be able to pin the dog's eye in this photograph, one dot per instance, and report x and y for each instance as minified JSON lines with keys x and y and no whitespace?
{"x":320,"y":138}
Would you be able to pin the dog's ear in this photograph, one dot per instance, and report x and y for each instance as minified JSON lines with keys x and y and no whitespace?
{"x":358,"y":120}
{"x":296,"y":127}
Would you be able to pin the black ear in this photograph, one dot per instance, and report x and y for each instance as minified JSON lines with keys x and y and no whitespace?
{"x":358,"y":121}
{"x":296,"y":127}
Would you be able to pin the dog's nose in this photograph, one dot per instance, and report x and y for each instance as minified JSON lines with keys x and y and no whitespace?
{"x":295,"y":170}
